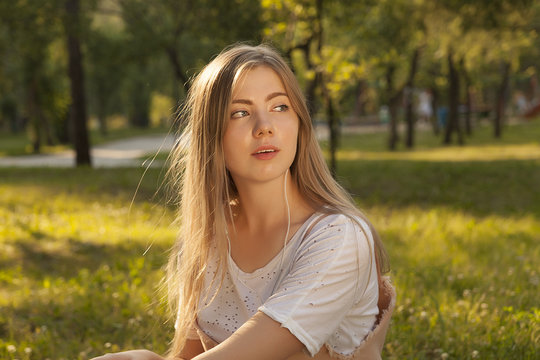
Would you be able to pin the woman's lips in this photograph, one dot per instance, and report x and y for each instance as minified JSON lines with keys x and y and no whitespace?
{"x":265,"y":152}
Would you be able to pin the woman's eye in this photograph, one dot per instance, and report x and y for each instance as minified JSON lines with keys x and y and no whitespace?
{"x":281,"y":108}
{"x":239,"y":114}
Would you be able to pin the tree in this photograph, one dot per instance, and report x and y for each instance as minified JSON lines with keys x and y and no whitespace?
{"x":9,"y":107}
{"x":107,"y":65}
{"x":392,"y":35}
{"x":409,"y":86}
{"x":188,"y":32}
{"x":31,"y":30}
{"x":498,"y":22}
{"x":76,"y":75}
{"x":295,"y":26}
{"x":453,"y":102}
{"x":325,"y":68}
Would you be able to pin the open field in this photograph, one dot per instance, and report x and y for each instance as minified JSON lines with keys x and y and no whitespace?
{"x":80,"y":266}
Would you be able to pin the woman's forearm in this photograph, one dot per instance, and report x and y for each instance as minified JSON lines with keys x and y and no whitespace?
{"x":259,"y":338}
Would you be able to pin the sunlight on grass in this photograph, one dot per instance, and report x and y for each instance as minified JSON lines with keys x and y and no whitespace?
{"x":42,"y":213}
{"x":451,"y":153}
{"x":80,"y":267}
{"x":460,"y":280}
{"x":76,"y":262}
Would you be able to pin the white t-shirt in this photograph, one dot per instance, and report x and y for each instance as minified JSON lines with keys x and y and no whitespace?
{"x":322,"y":287}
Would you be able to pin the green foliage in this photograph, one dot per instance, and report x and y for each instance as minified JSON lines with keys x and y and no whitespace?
{"x":481,"y":35}
{"x":134,"y":48}
{"x":489,"y":14}
{"x":80,"y":265}
{"x":33,"y":84}
{"x":107,"y":59}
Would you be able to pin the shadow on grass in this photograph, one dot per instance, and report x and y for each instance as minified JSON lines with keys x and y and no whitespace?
{"x":42,"y":258}
{"x":96,"y":183}
{"x":92,"y":293}
{"x":508,"y":187}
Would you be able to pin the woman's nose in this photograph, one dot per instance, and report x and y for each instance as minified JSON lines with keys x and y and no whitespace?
{"x":263,"y":126}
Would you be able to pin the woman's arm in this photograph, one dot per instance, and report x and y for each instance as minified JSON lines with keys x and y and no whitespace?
{"x":192,"y":349}
{"x":130,"y":355}
{"x":259,"y":338}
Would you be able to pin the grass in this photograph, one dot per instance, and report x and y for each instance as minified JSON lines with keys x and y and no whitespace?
{"x":79,"y":265}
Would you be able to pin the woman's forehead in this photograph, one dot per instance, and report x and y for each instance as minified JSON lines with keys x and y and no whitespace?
{"x":261,"y":78}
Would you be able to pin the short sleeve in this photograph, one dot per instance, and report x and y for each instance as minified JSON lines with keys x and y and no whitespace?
{"x":331,"y":268}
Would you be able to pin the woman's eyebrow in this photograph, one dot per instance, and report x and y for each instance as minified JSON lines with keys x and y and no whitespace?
{"x":242,"y":101}
{"x":268,"y":98}
{"x":275,"y":94}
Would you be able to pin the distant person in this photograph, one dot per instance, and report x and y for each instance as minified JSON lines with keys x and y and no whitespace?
{"x":425,"y":110}
{"x":384,"y":114}
{"x":522,"y":105}
{"x":273,"y":260}
{"x":442,"y":116}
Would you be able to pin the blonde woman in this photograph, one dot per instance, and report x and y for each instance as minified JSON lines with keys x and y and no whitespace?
{"x":273,"y":260}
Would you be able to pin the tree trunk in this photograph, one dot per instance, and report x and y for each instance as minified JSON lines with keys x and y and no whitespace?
{"x":333,"y":125}
{"x":409,"y":114}
{"x":453,"y":103}
{"x":468,"y":97}
{"x":532,"y":90}
{"x":393,"y":137}
{"x":360,"y":99}
{"x":33,"y":109}
{"x":310,"y":93}
{"x":501,"y":100}
{"x":102,"y":97}
{"x":40,"y":122}
{"x":139,"y":112}
{"x":177,"y":67}
{"x":76,"y":76}
{"x":435,"y":106}
{"x":64,"y":128}
{"x":468,"y":108}
{"x":102,"y":121}
{"x":49,"y":138}
{"x":39,"y":125}
{"x":9,"y":112}
{"x":317,"y":80}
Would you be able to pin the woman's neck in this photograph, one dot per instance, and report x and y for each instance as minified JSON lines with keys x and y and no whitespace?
{"x":263,"y":205}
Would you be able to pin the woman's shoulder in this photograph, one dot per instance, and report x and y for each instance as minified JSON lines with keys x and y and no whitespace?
{"x":337,"y":221}
{"x":338,"y":227}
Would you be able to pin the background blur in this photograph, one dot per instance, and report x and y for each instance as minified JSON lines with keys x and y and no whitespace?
{"x":428,"y":113}
{"x":69,"y":66}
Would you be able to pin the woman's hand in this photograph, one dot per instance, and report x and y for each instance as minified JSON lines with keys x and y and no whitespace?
{"x":130,"y":355}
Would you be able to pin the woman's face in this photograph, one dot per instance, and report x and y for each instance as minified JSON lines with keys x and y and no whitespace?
{"x":262,"y":130}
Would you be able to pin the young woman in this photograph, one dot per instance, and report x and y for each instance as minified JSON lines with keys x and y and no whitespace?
{"x":273,"y":260}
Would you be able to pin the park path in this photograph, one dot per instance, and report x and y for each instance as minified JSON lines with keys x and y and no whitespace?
{"x":119,"y":153}
{"x":130,"y":152}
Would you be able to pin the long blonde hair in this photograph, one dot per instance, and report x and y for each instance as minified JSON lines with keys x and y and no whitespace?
{"x":204,"y":187}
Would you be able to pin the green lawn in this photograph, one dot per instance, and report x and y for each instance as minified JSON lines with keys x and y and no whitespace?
{"x":80,"y":262}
